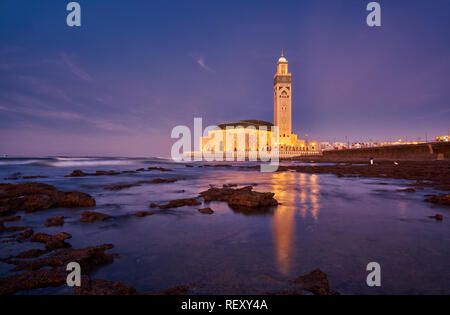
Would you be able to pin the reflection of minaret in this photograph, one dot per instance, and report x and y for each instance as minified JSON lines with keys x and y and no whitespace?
{"x":283,"y":222}
{"x":314,"y":196}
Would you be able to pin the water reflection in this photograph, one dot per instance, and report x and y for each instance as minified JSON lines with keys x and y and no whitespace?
{"x":283,"y":222}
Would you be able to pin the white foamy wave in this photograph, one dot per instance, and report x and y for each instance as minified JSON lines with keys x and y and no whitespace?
{"x":75,"y":159}
{"x":19,"y":162}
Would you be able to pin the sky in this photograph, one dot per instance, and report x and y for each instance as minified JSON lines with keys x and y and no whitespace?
{"x":135,"y":69}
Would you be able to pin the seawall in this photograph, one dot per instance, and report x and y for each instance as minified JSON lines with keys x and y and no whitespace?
{"x":410,"y":152}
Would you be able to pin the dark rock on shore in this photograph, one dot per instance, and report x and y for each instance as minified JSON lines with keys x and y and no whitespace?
{"x":14,"y":176}
{"x":141,"y":214}
{"x":10,"y":219}
{"x":47,"y":278}
{"x":409,"y":190}
{"x":161,"y":169}
{"x":438,"y":217}
{"x":32,"y":253}
{"x":440,"y":200}
{"x":25,"y":235}
{"x":315,"y":282}
{"x":79,"y":173}
{"x":3,"y":228}
{"x":218,"y":165}
{"x":31,"y":197}
{"x":52,"y":242}
{"x":91,"y":216}
{"x":104,"y":287}
{"x":34,"y":177}
{"x":89,"y":258}
{"x":242,"y":198}
{"x":177,"y":290}
{"x":140,"y":183}
{"x":206,"y":211}
{"x":177,"y":203}
{"x":55,"y":221}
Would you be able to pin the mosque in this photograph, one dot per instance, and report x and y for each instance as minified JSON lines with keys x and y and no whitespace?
{"x":288,"y":143}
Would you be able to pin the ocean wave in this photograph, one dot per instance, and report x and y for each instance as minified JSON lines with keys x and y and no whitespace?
{"x":81,"y":161}
{"x":18,"y":162}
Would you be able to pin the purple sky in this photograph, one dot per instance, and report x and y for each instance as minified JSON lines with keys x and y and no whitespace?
{"x":135,"y":69}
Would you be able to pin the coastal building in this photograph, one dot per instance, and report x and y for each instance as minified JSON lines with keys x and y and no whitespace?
{"x":257,"y":135}
{"x":442,"y":138}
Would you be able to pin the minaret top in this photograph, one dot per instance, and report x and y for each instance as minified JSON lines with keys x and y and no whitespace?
{"x":282,"y":59}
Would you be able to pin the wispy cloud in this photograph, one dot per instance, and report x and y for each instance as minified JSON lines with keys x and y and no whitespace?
{"x":75,"y":69}
{"x":201,"y":62}
{"x":64,"y":115}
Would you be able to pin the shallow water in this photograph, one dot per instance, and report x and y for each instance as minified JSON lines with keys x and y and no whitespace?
{"x":336,"y":224}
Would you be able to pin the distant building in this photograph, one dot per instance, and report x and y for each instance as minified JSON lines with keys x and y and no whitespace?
{"x":340,"y":145}
{"x":324,"y":146}
{"x":443,"y":138}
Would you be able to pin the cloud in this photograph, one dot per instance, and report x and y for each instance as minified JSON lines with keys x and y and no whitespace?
{"x":201,"y":62}
{"x":76,"y":70}
{"x":64,"y":115}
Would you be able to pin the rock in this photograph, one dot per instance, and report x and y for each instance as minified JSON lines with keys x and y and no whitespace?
{"x":440,"y":200}
{"x":229,"y":185}
{"x":55,"y":221}
{"x":242,"y":198}
{"x":89,"y":258}
{"x":189,"y":165}
{"x":177,"y":203}
{"x":287,"y":292}
{"x":206,"y":211}
{"x":315,"y":282}
{"x":11,"y":228}
{"x":177,"y":290}
{"x":161,"y":169}
{"x":34,"y":177}
{"x":438,"y":217}
{"x":79,"y":173}
{"x":14,"y":176}
{"x":51,"y":242}
{"x":140,"y":183}
{"x":103,"y":287}
{"x":91,"y":216}
{"x":140,"y":170}
{"x":10,"y":219}
{"x":163,"y":181}
{"x":141,"y":214}
{"x":409,"y":190}
{"x":219,"y":165}
{"x":32,"y":197}
{"x":46,"y":278}
{"x":32,"y":253}
{"x":25,"y":235}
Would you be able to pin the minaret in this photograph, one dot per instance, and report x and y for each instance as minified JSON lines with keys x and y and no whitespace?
{"x":282,"y":92}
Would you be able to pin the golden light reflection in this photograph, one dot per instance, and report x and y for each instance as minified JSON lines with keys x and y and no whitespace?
{"x":314,"y":196}
{"x":285,"y":185}
{"x":283,"y":221}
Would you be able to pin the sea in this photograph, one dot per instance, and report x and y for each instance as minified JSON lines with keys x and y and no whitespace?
{"x":339,"y":225}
